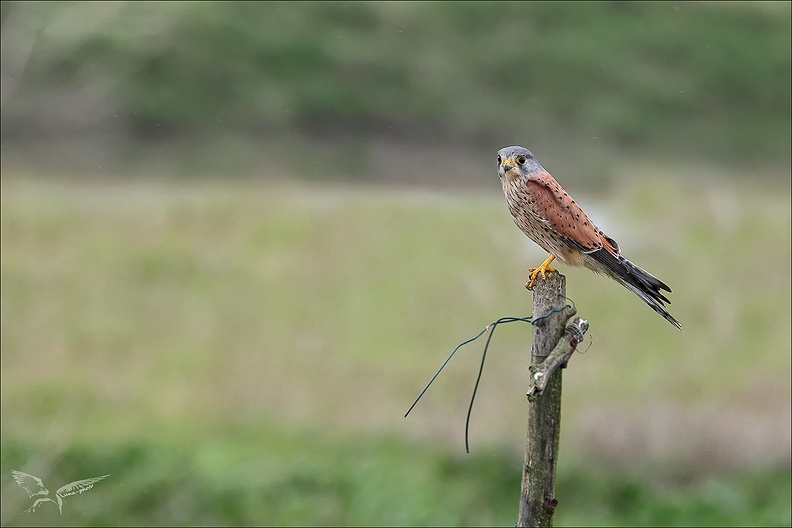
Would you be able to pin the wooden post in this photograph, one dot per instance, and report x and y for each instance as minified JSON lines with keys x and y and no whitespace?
{"x":537,"y":499}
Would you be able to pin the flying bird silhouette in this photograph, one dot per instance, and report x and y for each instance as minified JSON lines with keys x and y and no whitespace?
{"x":549,"y":216}
{"x":35,"y":487}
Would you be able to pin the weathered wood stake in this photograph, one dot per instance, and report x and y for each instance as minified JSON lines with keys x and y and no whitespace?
{"x":553,"y":344}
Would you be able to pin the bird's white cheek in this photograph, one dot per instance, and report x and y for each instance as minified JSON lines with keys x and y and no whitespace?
{"x":511,"y":175}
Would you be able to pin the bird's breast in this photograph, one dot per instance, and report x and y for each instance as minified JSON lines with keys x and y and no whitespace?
{"x":522,"y":204}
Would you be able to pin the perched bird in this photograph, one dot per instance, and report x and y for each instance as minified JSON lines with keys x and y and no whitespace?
{"x":35,"y":487}
{"x":549,"y":216}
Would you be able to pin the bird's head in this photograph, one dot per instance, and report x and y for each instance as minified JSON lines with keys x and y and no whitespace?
{"x":517,"y":162}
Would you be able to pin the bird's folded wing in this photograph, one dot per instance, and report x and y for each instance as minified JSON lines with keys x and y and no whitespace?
{"x":564,"y":215}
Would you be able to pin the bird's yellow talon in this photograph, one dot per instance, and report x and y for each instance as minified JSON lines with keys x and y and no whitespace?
{"x":542,"y":269}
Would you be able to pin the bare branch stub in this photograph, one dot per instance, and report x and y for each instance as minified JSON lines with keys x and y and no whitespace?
{"x":542,"y":372}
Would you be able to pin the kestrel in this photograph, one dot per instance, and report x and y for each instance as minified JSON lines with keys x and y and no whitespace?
{"x":549,"y":216}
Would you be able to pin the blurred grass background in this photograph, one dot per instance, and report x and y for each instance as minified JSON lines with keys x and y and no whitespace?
{"x":238,"y":238}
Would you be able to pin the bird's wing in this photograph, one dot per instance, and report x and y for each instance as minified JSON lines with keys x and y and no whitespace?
{"x":565,"y":216}
{"x":79,"y":486}
{"x":29,"y":483}
{"x":567,"y":219}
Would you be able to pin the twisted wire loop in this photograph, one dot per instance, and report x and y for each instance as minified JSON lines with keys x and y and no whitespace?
{"x":491,"y":329}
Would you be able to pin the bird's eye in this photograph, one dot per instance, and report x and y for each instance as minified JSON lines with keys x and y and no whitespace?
{"x":499,"y":161}
{"x":521,"y":159}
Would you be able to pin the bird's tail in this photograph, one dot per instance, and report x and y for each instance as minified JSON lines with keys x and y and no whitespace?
{"x":639,"y":281}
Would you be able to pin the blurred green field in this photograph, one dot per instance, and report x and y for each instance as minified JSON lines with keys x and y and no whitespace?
{"x":243,"y":353}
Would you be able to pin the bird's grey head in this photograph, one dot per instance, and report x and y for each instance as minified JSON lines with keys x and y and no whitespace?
{"x":515,"y":162}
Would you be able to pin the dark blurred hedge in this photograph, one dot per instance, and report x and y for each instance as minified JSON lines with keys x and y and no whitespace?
{"x":701,"y":79}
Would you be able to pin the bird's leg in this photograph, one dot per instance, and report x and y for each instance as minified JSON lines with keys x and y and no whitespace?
{"x":543,"y":267}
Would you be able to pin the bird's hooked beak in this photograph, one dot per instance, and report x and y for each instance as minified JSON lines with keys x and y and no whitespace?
{"x":506,"y":166}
